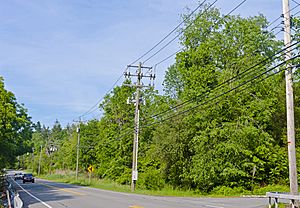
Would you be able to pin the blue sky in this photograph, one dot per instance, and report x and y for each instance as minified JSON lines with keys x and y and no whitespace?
{"x":59,"y":57}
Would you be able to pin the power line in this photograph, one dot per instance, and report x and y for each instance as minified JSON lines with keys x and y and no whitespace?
{"x":171,"y":55}
{"x":178,"y":34}
{"x":282,"y":15}
{"x":245,"y":72}
{"x":296,"y":2}
{"x":231,"y":11}
{"x":277,"y":32}
{"x":222,"y":94}
{"x":240,"y":4}
{"x":172,"y":31}
{"x":94,"y":107}
{"x":163,"y":60}
{"x":91,"y":110}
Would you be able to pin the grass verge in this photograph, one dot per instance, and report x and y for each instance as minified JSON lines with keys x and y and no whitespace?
{"x":106,"y":184}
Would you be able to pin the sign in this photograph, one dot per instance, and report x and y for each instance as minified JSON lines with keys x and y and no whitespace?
{"x":134,"y":175}
{"x":91,"y":169}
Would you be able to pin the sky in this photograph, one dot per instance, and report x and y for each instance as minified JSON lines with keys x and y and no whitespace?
{"x":60,"y":57}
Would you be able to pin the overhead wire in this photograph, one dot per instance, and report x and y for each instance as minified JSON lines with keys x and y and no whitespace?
{"x":168,"y":43}
{"x":231,"y":79}
{"x":296,"y":2}
{"x":174,"y":107}
{"x":278,"y":32}
{"x":220,"y":95}
{"x":277,"y":26}
{"x":231,"y":11}
{"x":281,"y":16}
{"x":95,"y":106}
{"x":282,"y":27}
{"x":172,"y":31}
{"x":163,"y":120}
{"x":91,"y":110}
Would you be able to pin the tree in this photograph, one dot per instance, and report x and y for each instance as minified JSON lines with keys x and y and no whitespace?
{"x":15,"y":128}
{"x":230,"y":133}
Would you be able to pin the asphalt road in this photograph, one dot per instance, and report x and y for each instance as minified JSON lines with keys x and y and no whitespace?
{"x":44,"y":193}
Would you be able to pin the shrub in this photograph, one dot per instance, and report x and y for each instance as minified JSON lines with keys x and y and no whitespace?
{"x":152,"y":179}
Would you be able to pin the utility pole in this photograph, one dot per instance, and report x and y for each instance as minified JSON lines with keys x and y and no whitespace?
{"x":137,"y":101}
{"x":78,"y":142}
{"x":40,"y":159}
{"x":290,"y":101}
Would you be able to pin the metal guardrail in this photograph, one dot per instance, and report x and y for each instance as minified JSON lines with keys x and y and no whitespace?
{"x":16,"y":200}
{"x":281,"y":195}
{"x":12,"y":197}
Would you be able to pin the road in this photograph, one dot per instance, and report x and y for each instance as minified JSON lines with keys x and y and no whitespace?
{"x":49,"y":194}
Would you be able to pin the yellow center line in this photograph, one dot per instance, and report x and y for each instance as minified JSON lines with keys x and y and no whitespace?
{"x":62,"y":189}
{"x":136,"y":206}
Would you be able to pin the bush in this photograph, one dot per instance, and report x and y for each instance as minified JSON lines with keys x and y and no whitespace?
{"x":152,"y":179}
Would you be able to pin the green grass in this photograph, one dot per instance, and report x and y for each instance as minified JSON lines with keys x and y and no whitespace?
{"x":166,"y":191}
{"x":281,"y":205}
{"x":113,"y":186}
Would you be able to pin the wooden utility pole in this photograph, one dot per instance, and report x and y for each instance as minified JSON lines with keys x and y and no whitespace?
{"x":77,"y":153}
{"x":137,"y":100}
{"x":136,"y":130}
{"x":40,"y":160}
{"x":290,"y":101}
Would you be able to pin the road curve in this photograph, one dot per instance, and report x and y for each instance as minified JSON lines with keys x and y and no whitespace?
{"x":49,"y":194}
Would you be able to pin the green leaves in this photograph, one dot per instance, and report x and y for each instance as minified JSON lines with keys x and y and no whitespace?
{"x":15,"y":128}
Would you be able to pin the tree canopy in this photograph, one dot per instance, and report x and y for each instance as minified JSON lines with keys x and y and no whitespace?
{"x":15,"y":128}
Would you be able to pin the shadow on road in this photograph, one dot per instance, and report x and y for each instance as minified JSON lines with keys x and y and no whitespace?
{"x":41,"y":192}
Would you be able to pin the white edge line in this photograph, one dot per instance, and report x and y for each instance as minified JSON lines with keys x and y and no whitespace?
{"x":44,"y":203}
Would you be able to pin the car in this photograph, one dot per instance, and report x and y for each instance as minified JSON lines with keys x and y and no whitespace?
{"x":28,"y":177}
{"x":18,"y":176}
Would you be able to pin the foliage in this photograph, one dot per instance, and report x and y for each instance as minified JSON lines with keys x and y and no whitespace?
{"x":15,"y":128}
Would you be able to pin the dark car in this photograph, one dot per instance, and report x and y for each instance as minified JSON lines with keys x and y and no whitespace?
{"x":28,"y":177}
